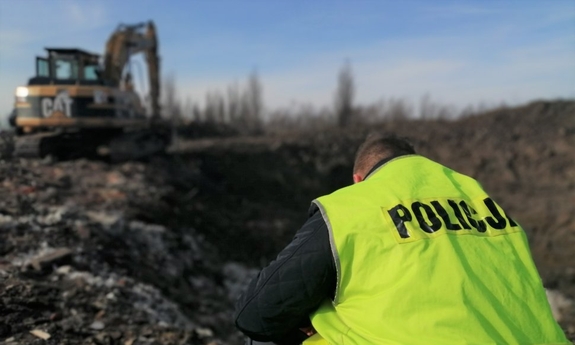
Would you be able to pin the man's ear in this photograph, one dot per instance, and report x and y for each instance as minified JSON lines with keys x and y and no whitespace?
{"x":357,"y":178}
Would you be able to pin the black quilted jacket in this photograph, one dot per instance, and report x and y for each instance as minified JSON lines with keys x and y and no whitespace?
{"x":279,"y":300}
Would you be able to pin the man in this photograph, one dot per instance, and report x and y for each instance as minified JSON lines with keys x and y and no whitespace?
{"x":411,"y":253}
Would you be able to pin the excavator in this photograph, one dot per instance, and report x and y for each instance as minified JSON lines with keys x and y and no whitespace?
{"x":78,"y":105}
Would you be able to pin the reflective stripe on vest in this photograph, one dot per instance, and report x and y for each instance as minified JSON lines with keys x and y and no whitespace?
{"x":425,"y":256}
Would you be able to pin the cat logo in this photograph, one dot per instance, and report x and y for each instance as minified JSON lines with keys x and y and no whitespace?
{"x":60,"y":105}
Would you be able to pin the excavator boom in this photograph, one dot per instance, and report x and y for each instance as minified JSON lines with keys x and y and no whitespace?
{"x":126,"y":41}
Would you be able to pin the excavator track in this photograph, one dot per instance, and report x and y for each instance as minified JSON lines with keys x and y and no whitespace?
{"x":34,"y":145}
{"x":119,"y":146}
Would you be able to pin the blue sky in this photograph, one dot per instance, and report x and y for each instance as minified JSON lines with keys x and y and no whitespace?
{"x":459,"y":52}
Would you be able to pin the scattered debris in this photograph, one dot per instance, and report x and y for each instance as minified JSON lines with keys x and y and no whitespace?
{"x":40,"y":334}
{"x":97,"y":325}
{"x":54,"y":256}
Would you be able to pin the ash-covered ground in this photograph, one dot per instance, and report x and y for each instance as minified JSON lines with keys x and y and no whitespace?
{"x":86,"y":260}
{"x":156,"y":252}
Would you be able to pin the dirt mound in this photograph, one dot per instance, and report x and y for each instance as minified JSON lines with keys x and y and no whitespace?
{"x":155,"y":252}
{"x":83,"y":262}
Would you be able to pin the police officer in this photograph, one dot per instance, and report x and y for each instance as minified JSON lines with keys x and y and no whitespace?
{"x":411,"y":253}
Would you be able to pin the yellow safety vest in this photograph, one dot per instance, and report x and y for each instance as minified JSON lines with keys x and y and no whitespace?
{"x":425,"y":256}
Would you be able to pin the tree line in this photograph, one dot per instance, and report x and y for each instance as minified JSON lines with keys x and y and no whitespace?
{"x":241,"y":106}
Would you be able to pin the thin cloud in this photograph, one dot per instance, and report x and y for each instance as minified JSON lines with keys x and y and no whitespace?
{"x":85,"y":15}
{"x":459,"y":10}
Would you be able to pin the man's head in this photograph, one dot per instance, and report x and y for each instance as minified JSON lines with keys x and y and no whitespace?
{"x":376,"y":148}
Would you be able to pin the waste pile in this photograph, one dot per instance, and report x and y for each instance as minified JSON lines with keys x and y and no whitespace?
{"x":80,"y":266}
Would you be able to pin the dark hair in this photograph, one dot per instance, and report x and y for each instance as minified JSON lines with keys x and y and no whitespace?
{"x":377,"y":147}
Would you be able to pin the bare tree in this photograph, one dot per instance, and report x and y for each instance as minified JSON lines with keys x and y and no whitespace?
{"x":344,"y":95}
{"x":210,"y":108}
{"x":197,"y":113}
{"x":188,"y":109}
{"x":234,"y":103}
{"x":432,"y":110}
{"x":398,"y":109}
{"x":252,"y":104}
{"x":241,"y":107}
{"x":215,"y":107}
{"x":171,"y":107}
{"x":221,"y":108}
{"x":427,"y":109}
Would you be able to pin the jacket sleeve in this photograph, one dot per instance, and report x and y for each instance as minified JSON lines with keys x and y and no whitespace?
{"x":279,"y":300}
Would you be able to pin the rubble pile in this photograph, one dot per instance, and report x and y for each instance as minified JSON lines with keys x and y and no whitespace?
{"x":78,"y":266}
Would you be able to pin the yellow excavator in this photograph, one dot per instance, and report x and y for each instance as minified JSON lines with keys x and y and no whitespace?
{"x":78,"y":105}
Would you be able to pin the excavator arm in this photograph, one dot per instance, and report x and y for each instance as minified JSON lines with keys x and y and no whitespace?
{"x":126,"y":41}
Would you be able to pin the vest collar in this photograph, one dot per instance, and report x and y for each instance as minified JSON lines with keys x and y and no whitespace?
{"x":381,"y":163}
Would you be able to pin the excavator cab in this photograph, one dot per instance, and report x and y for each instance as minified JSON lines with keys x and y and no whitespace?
{"x":65,"y":66}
